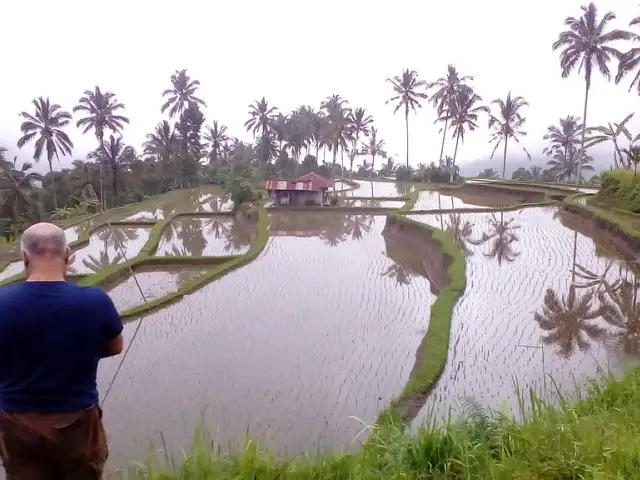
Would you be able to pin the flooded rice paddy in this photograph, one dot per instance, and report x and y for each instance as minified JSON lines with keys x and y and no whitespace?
{"x":373,"y":203}
{"x":12,"y":269}
{"x":381,"y":189}
{"x":321,"y":327}
{"x":155,"y":283}
{"x":432,"y":200}
{"x":207,"y":236}
{"x":521,"y":319}
{"x":109,"y":246}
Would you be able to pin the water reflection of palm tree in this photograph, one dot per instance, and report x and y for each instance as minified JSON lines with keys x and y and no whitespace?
{"x":568,"y":320}
{"x":502,"y":237}
{"x":402,"y":274}
{"x":356,"y":225}
{"x":620,"y":309}
{"x":217,"y":227}
{"x":192,"y":236}
{"x":335,"y":230}
{"x":461,"y":231}
{"x":102,"y":260}
{"x":403,"y":189}
{"x":119,"y":236}
{"x":239,"y":235}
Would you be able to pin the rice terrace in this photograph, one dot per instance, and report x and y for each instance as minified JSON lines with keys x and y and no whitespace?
{"x":298,"y":326}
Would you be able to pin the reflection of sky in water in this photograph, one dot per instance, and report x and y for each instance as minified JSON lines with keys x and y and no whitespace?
{"x":495,"y":315}
{"x":157,"y":214}
{"x":12,"y":269}
{"x":430,"y":200}
{"x":334,"y":336}
{"x":380,"y":189}
{"x":106,"y":246}
{"x":375,"y":203}
{"x":154,"y":284}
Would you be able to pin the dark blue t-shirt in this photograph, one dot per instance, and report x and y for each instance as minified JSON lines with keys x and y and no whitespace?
{"x":52,"y":336}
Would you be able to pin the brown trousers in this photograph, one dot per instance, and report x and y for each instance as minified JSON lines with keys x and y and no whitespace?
{"x":53,"y":447}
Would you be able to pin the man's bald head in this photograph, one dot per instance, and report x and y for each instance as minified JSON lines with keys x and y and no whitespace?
{"x":44,"y":239}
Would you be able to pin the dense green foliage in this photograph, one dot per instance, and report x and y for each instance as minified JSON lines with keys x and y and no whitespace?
{"x":620,"y":188}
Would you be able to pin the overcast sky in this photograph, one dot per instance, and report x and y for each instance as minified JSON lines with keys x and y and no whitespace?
{"x":297,"y":52}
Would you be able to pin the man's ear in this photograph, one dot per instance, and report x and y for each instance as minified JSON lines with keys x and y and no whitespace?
{"x":25,"y":259}
{"x":67,"y":256}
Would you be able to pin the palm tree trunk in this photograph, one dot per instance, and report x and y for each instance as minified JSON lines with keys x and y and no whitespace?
{"x":584,"y":129}
{"x":16,"y":218}
{"x":333,"y":166}
{"x":342,"y":161}
{"x":53,"y":186}
{"x":406,"y":124}
{"x":102,"y":202}
{"x":455,"y":155}
{"x":444,"y":134}
{"x":504,"y":158}
{"x":373,"y":164}
{"x":114,"y":179}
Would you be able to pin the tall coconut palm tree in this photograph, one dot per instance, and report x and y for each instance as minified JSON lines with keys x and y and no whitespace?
{"x":360,"y":125}
{"x":507,"y":123}
{"x":100,"y":115}
{"x":447,"y":87}
{"x":611,"y":133}
{"x":181,"y":94}
{"x":407,"y":95}
{"x":216,"y":138}
{"x":375,"y":148}
{"x":586,"y":44}
{"x":114,"y":153}
{"x":163,"y":143}
{"x":564,"y":167}
{"x":563,"y":137}
{"x":16,"y":191}
{"x":262,"y":119}
{"x":337,"y":132}
{"x":46,"y":129}
{"x":464,"y":114}
{"x":630,"y":61}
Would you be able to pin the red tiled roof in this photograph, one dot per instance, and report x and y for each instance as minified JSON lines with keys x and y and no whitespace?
{"x":310,"y":182}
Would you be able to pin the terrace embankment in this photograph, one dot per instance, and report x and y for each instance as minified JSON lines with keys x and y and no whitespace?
{"x":493,"y":195}
{"x":617,"y":232}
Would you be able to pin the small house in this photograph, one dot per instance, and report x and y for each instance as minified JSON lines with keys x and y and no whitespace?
{"x":309,"y":189}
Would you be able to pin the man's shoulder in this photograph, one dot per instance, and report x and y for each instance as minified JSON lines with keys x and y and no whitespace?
{"x":86,"y":293}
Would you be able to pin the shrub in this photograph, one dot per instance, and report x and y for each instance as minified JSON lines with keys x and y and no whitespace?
{"x":620,"y":188}
{"x":334,"y":201}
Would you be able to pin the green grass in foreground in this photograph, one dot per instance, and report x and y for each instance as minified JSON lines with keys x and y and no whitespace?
{"x":597,"y":436}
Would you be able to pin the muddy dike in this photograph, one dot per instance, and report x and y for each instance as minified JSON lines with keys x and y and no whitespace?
{"x":614,"y":233}
{"x":414,"y":247}
{"x":441,"y":262}
{"x":500,"y":195}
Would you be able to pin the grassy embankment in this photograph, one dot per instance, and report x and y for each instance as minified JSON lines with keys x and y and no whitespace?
{"x":596,"y":436}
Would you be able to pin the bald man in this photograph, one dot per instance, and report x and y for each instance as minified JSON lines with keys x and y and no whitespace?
{"x":52,"y":336}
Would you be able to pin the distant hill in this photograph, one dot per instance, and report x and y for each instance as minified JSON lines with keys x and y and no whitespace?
{"x":602,"y":160}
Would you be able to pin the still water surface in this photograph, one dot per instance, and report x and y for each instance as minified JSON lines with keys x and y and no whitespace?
{"x":319,"y":328}
{"x":518,"y":318}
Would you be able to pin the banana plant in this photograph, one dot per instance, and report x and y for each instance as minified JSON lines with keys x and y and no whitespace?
{"x":611,"y":133}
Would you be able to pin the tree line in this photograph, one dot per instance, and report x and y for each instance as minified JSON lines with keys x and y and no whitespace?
{"x":183,"y":151}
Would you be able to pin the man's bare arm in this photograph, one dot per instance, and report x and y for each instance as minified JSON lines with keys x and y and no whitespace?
{"x":113,"y":347}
